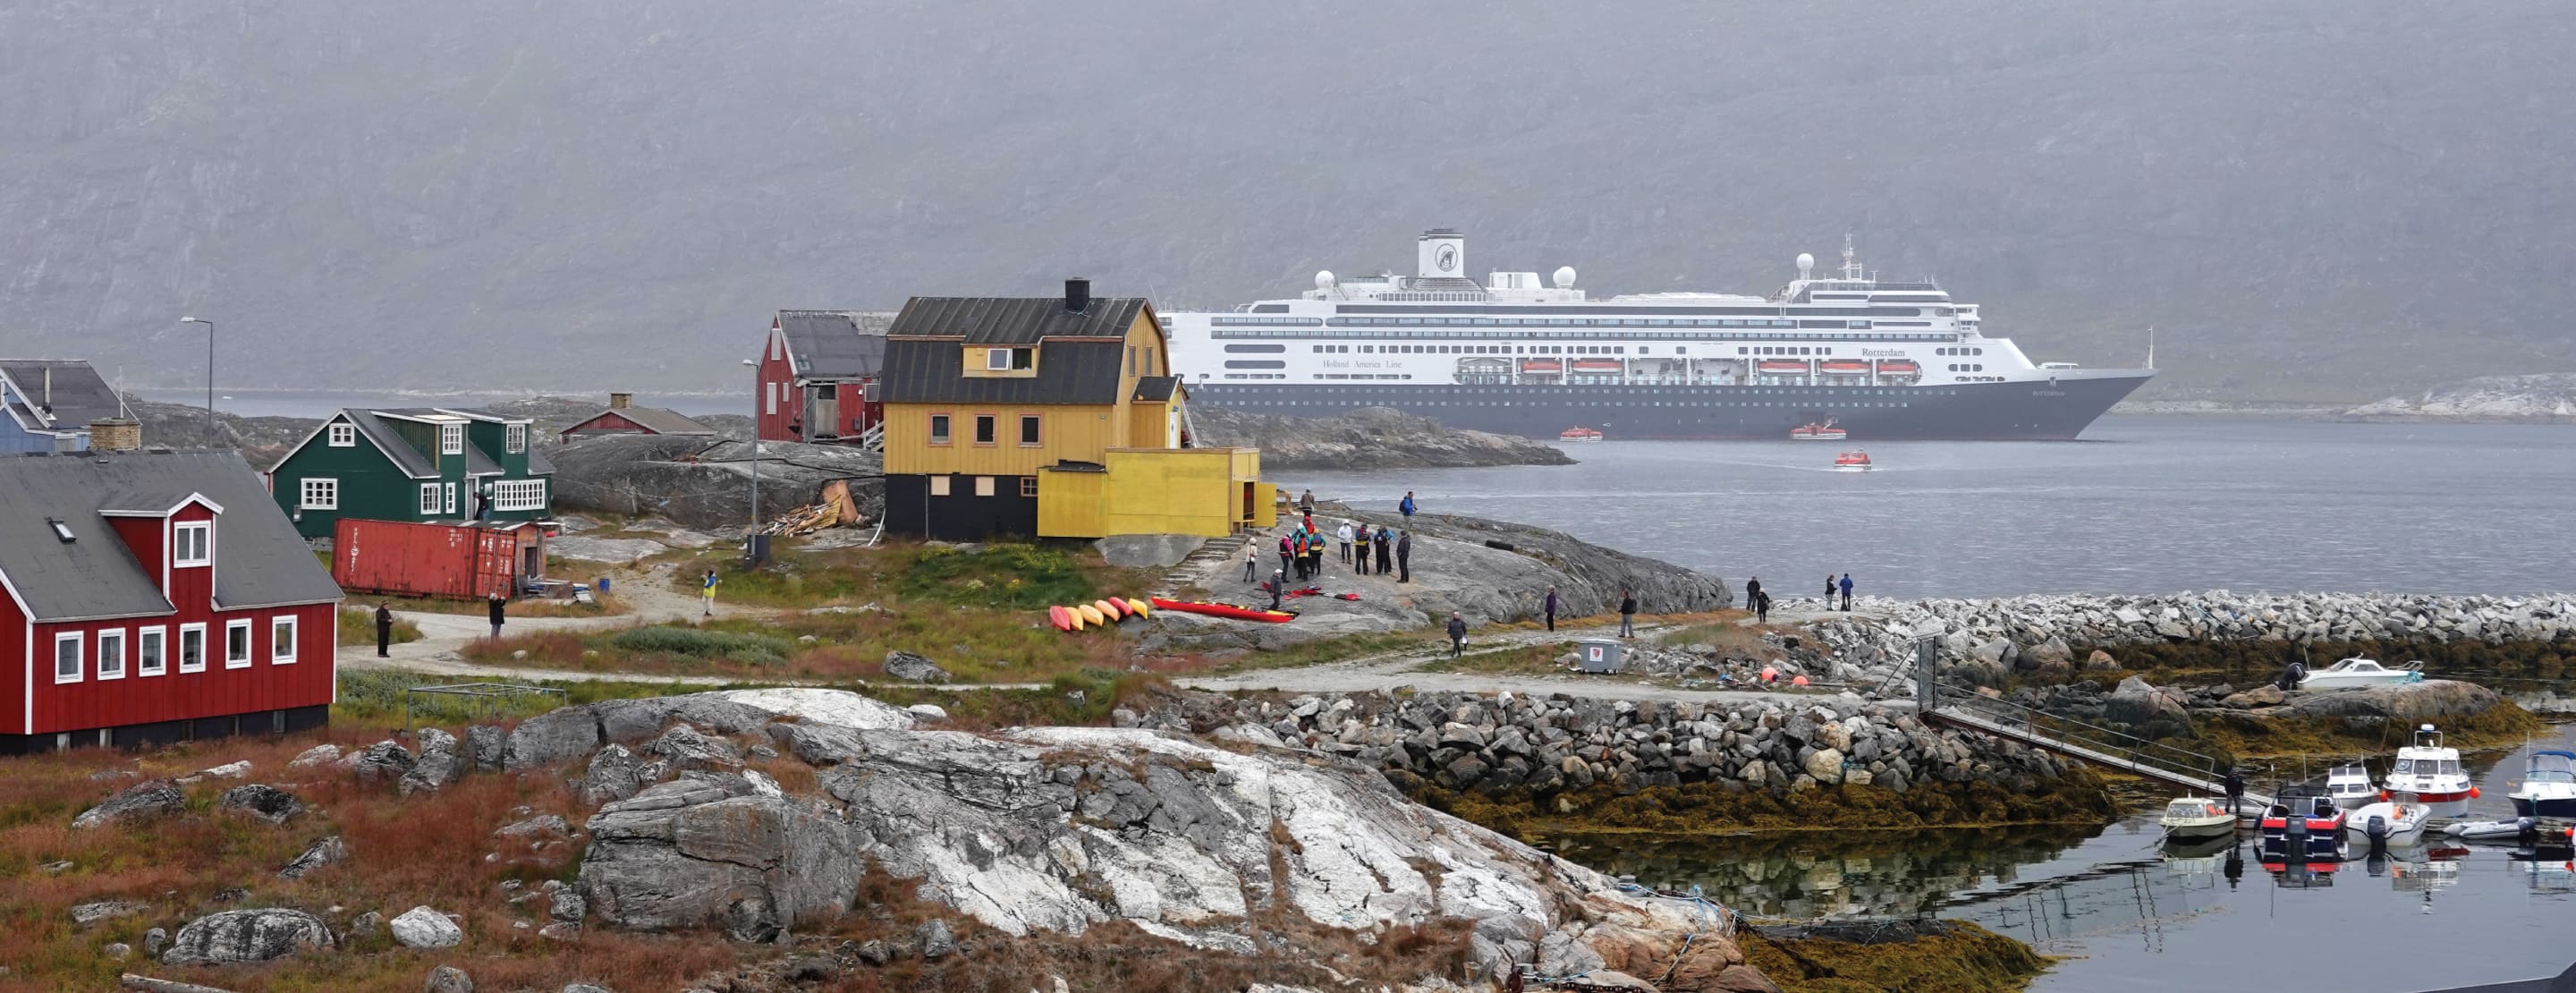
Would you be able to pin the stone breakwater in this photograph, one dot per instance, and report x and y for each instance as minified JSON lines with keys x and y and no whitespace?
{"x":1514,"y":745}
{"x":2034,"y":632}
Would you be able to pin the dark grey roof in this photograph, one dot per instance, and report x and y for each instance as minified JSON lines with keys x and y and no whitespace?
{"x":260,"y":561}
{"x":412,"y":461}
{"x":1084,"y":372}
{"x":1156,"y":388}
{"x":79,"y":394}
{"x":835,"y":344}
{"x":1014,"y":320}
{"x":654,"y":419}
{"x":416,"y":463}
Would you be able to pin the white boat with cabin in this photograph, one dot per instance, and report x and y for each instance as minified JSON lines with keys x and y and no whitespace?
{"x":2358,"y":671}
{"x":2431,"y":771}
{"x":2350,"y":786}
{"x":2197,"y":817}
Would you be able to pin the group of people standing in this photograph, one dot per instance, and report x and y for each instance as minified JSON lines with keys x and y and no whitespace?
{"x":1368,"y":550}
{"x":1759,"y":602}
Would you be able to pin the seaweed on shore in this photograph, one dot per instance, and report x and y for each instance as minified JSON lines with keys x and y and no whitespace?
{"x":1888,"y":956}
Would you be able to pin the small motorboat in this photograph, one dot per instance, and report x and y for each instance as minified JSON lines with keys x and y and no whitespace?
{"x":2350,"y":786}
{"x":2302,"y":828}
{"x":2548,"y":786}
{"x":1852,"y":461}
{"x":2197,"y":817}
{"x":2358,"y":671}
{"x":2389,"y":823}
{"x":2431,"y":771}
{"x":1816,"y":432}
{"x":2512,"y":830}
{"x":1578,"y":434}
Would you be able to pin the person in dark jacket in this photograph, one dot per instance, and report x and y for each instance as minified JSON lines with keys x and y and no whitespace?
{"x":1315,"y":557}
{"x":1762,"y":608}
{"x":1278,"y":587}
{"x":1306,"y":502}
{"x":1360,"y":549}
{"x":1385,"y":549}
{"x":384,"y":628}
{"x":1752,"y":591}
{"x":1407,"y":505}
{"x":1457,"y":634}
{"x":1404,"y":557}
{"x":495,"y":604}
{"x":1627,"y":614}
{"x":1847,"y":585}
{"x":1829,"y":591}
{"x":2235,"y":789}
{"x":1550,"y":608}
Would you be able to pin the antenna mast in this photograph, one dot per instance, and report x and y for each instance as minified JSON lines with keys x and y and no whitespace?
{"x":2151,"y":346}
{"x":1851,"y":260}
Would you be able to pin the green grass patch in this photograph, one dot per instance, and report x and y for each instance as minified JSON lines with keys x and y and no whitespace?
{"x":705,"y":643}
{"x":1006,"y":575}
{"x":374,"y":697}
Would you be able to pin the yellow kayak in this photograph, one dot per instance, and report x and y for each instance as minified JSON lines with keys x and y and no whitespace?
{"x":1073,"y":616}
{"x":1140,"y":607}
{"x":1091,"y":615}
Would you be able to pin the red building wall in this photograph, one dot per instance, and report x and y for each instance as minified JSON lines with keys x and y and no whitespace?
{"x":774,"y":402}
{"x":606,"y":423}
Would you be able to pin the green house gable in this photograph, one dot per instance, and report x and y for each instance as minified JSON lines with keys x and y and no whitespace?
{"x":413,"y":464}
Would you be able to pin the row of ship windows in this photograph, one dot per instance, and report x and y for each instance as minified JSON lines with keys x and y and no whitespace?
{"x":1816,"y":394}
{"x":1376,"y":335}
{"x":1746,"y":317}
{"x":1244,"y":349}
{"x":1959,"y":351}
{"x":1805,"y":405}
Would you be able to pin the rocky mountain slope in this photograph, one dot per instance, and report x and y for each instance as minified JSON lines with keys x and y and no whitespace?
{"x":1366,"y":438}
{"x":2292,"y":194}
{"x":2540,"y":398}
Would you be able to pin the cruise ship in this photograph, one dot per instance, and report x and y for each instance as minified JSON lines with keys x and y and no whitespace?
{"x":1876,"y":358}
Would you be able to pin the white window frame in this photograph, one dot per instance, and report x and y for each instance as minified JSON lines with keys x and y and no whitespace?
{"x":242,"y":626}
{"x":105,"y":657}
{"x":429,"y":499}
{"x":515,"y":438}
{"x":157,"y":661}
{"x":179,"y":544}
{"x":283,"y":624}
{"x":319,"y":493}
{"x":451,"y":439}
{"x":72,"y":638}
{"x":451,"y":499}
{"x":510,"y":495}
{"x":999,"y":359}
{"x":344,"y":436}
{"x":199,"y":631}
{"x":769,"y":393}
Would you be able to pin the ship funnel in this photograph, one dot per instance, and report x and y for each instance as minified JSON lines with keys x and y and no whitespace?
{"x":1440,"y":253}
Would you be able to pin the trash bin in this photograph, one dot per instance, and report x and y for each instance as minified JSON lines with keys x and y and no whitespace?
{"x":1600,"y":654}
{"x":603,"y":586}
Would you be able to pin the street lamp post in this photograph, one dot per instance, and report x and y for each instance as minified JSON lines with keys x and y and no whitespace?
{"x":210,"y":375}
{"x":750,"y":542}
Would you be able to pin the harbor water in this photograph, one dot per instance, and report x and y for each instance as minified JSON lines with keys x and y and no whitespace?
{"x":2140,"y":505}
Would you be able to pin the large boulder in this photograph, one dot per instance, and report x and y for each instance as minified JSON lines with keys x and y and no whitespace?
{"x":611,"y":777}
{"x":706,"y":851}
{"x":913,"y":668}
{"x":442,"y":760}
{"x":327,"y":851}
{"x":707,"y":484}
{"x":140,"y":802}
{"x":268,"y":803}
{"x":570,"y":733}
{"x":421,"y":927}
{"x":256,"y":935}
{"x":2433,"y":700}
{"x":386,"y":760}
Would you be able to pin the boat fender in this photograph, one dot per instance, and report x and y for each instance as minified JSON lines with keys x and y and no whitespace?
{"x":2383,"y":796}
{"x":2473,"y":793}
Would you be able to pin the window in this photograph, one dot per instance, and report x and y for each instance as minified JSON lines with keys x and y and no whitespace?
{"x":515,"y":437}
{"x":111,"y":654}
{"x":149,"y":659}
{"x":428,"y":499}
{"x":1008,"y":359}
{"x":190,"y":543}
{"x":1131,"y":359}
{"x":769,"y":395}
{"x":1028,"y":429}
{"x":1028,"y":486}
{"x":1149,"y":360}
{"x":236,"y":644}
{"x":281,"y":641}
{"x":984,"y":429}
{"x":938,"y":429}
{"x":344,"y":435}
{"x":192,"y":648}
{"x":983,"y":486}
{"x":321,"y":494}
{"x":451,"y":498}
{"x":938,"y":486}
{"x":67,"y":658}
{"x":451,"y":439}
{"x":519,"y":494}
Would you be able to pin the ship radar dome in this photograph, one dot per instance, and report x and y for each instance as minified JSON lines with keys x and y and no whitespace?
{"x":1564,"y":276}
{"x":1806,"y":264}
{"x":1323,"y":279}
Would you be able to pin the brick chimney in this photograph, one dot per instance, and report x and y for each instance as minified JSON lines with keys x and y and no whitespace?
{"x":620,"y":401}
{"x":115,"y":434}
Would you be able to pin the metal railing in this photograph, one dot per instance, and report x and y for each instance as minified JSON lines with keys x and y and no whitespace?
{"x":2043,"y":726}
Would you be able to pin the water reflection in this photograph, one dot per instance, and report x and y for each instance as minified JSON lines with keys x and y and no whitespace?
{"x":1812,"y":875}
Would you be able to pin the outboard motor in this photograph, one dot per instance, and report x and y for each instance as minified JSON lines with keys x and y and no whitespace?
{"x":2526,"y":832}
{"x":2377,"y":829}
{"x":2291,"y":675}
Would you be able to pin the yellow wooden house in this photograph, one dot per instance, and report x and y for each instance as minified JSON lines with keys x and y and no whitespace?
{"x":1053,"y":417}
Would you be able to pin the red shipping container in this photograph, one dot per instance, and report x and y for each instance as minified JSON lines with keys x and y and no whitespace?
{"x":441,"y":560}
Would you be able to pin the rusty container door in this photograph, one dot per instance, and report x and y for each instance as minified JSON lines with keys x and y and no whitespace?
{"x":406,"y":559}
{"x":496,"y":556}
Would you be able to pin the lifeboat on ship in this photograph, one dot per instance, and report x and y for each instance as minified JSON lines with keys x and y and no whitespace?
{"x":1852,"y":461}
{"x":1781,"y":367}
{"x":1598,"y":365}
{"x":1816,"y":432}
{"x":1578,"y":434}
{"x":1844,"y":367}
{"x":1550,"y":366}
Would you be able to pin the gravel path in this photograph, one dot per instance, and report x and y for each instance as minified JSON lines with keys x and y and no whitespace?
{"x":444,"y":636}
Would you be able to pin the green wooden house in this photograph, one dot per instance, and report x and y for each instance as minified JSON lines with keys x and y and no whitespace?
{"x":413,"y":464}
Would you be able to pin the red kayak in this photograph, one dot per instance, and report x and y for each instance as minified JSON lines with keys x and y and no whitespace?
{"x":1225,"y":610}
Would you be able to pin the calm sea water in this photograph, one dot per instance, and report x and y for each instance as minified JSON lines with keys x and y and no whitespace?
{"x":2141,"y":505}
{"x":322,"y":403}
{"x":2130,"y":914}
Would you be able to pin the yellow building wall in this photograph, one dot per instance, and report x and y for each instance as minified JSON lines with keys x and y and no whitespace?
{"x":1077,"y":433}
{"x":1070,"y":503}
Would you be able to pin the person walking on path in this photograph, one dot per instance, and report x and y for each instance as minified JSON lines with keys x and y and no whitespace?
{"x":1457,"y":634}
{"x":1384,"y":551}
{"x":384,"y":628}
{"x":1752,"y":590}
{"x":1627,"y":614}
{"x":1343,"y":535}
{"x":707,"y":595}
{"x":1550,"y":608}
{"x":1847,"y":584}
{"x":2235,"y":789}
{"x":494,"y":603}
{"x":1251,"y":561}
{"x":1404,"y":557}
{"x":1278,"y":587}
{"x":1306,"y":502}
{"x":1407,"y":505}
{"x":1762,"y":608}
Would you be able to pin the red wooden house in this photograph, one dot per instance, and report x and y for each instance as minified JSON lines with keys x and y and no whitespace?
{"x":818,"y":375}
{"x":624,"y":417}
{"x":156,"y":597}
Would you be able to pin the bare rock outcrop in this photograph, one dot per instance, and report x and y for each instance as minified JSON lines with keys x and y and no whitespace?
{"x":253,"y":935}
{"x":707,"y":850}
{"x":1366,"y":438}
{"x":707,"y":485}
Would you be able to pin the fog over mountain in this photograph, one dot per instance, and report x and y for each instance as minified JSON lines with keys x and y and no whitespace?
{"x":2306,"y":200}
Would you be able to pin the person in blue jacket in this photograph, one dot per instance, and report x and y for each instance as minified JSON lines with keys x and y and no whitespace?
{"x":1407,"y":505}
{"x":1847,"y":587}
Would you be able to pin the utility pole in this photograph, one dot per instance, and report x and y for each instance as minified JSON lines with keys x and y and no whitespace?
{"x":751,"y":542}
{"x":210,"y":375}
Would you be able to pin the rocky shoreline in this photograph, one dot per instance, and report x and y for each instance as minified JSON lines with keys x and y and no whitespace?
{"x":1366,"y":438}
{"x":2542,"y":398}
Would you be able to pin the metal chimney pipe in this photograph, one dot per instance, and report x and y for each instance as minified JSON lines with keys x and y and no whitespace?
{"x":1077,"y":295}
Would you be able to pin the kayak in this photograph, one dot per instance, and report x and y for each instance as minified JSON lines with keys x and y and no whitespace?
{"x":1137,"y":607}
{"x":1091,"y":615}
{"x":1225,"y":610}
{"x":1111,"y":609}
{"x":1061,"y":618}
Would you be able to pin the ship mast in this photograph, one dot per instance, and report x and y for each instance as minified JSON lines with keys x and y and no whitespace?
{"x":1851,"y":260}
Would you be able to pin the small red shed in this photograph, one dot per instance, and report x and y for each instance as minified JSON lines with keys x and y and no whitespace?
{"x":156,"y":597}
{"x":623,"y":417}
